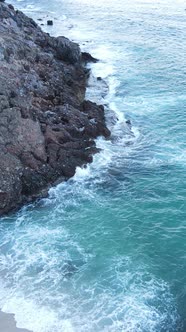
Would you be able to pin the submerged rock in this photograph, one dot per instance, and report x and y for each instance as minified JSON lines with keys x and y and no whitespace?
{"x":47,"y":129}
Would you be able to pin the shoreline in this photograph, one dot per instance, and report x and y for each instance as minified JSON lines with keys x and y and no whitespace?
{"x":8,"y":323}
{"x":91,"y":124}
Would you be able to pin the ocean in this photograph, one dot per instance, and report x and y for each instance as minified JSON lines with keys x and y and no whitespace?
{"x":106,"y":251}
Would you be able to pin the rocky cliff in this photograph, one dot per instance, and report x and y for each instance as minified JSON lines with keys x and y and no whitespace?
{"x":47,"y":128}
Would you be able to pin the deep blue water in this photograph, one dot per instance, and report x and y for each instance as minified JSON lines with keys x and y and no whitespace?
{"x":107,"y":250}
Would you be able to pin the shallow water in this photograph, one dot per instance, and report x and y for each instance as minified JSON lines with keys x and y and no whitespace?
{"x":107,"y":251}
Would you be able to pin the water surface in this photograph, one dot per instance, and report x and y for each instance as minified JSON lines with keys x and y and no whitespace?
{"x":107,"y":251}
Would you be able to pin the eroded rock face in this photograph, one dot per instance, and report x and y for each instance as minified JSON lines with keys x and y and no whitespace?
{"x":46,"y":126}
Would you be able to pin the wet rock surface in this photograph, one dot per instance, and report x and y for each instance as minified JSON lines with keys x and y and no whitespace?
{"x":47,"y":128}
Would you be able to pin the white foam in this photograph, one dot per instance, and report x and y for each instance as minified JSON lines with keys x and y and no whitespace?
{"x":139,"y":303}
{"x":35,"y":317}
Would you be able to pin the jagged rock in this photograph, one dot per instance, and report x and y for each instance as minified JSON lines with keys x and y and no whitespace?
{"x":47,"y":129}
{"x":87,"y":57}
{"x":67,"y":50}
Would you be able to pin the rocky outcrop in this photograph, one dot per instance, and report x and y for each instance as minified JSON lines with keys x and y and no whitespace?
{"x":47,"y":129}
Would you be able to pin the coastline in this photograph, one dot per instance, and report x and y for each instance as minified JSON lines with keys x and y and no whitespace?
{"x":53,"y":126}
{"x":82,"y":120}
{"x":8,"y":323}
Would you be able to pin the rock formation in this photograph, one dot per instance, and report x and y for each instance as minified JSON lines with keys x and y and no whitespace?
{"x":47,"y":128}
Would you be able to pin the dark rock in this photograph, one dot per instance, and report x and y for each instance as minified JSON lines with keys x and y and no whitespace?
{"x":47,"y":129}
{"x":87,"y":57}
{"x":129,"y":124}
{"x":11,"y":7}
{"x":67,"y":51}
{"x":49,"y":22}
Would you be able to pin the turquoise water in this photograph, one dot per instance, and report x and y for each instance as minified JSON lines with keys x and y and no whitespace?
{"x":107,"y":251}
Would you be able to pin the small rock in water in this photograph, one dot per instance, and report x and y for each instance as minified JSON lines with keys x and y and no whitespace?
{"x":49,"y":22}
{"x":129,"y":122}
